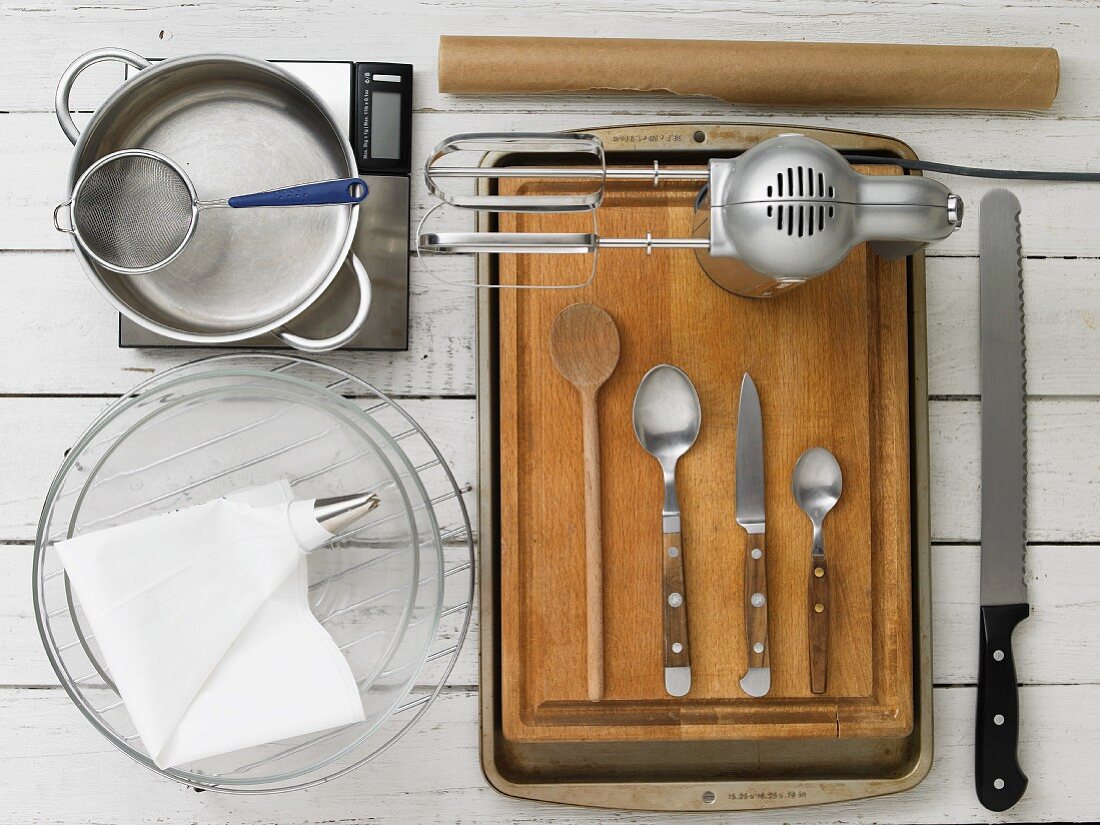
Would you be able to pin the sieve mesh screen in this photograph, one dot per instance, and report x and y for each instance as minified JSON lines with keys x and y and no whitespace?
{"x":133,"y":212}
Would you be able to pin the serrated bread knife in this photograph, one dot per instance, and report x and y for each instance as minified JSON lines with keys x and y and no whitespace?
{"x":749,"y":494}
{"x":1000,"y":782}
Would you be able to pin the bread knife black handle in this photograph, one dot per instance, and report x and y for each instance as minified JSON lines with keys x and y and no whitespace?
{"x":1000,"y":782}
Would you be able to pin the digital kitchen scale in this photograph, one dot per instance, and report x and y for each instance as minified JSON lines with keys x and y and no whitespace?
{"x":375,"y":101}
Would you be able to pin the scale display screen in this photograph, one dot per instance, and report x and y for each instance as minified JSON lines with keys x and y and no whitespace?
{"x":385,"y":120}
{"x":383,"y":117}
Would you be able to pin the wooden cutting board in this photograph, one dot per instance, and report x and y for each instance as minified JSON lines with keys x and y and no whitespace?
{"x":830,"y":360}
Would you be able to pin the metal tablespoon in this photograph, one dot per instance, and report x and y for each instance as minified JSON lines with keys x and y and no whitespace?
{"x":816,"y":485}
{"x":666,"y":421}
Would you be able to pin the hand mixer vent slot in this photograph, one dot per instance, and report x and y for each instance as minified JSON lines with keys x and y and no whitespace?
{"x":808,"y":220}
{"x":807,"y":182}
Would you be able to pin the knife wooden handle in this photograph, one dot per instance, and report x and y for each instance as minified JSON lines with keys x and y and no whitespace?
{"x":819,"y":624}
{"x":1000,"y":782}
{"x":676,"y":623}
{"x":756,"y":602}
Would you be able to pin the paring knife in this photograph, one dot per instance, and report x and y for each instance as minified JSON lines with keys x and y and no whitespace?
{"x":1000,"y":782}
{"x":750,"y":515}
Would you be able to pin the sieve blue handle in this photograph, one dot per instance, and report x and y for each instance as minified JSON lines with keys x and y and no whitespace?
{"x":345,"y":190}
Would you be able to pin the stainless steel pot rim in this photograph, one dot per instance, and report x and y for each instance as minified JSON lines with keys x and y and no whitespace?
{"x":151,"y":73}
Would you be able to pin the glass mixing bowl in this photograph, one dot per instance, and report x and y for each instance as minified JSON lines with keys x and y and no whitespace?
{"x":231,"y":422}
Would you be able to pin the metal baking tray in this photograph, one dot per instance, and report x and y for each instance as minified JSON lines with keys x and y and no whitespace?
{"x":712,"y":775}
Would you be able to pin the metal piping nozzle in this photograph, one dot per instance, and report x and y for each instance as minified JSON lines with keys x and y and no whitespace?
{"x":340,"y":512}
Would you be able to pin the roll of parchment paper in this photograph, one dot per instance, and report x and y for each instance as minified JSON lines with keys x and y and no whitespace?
{"x":832,"y":75}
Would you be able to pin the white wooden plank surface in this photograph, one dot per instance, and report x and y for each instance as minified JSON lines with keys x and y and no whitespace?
{"x":59,"y":366}
{"x":44,"y":35}
{"x":48,"y":300}
{"x":58,"y":770}
{"x":34,"y":158}
{"x":1063,"y":437}
{"x":1051,"y":647}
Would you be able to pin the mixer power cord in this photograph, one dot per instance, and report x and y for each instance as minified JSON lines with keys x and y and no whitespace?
{"x":975,"y":172}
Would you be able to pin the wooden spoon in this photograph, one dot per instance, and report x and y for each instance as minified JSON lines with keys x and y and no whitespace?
{"x":584,"y":344}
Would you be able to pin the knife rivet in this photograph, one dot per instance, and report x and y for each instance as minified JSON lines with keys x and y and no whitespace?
{"x":998,"y":655}
{"x":819,"y":571}
{"x":677,"y":647}
{"x":675,"y":599}
{"x":998,"y":719}
{"x":757,"y":599}
{"x":673,"y":552}
{"x":758,"y":647}
{"x":819,"y":608}
{"x":757,"y":553}
{"x":998,"y":783}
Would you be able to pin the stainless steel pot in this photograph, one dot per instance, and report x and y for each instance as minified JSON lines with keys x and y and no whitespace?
{"x":236,"y":125}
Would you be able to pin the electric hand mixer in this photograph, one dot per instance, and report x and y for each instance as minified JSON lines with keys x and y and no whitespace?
{"x":790,"y":208}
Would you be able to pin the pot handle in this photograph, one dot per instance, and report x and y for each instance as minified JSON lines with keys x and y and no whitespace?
{"x":69,"y":76}
{"x":339,"y":339}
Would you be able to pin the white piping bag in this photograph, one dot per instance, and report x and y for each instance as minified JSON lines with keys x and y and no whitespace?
{"x":168,"y":596}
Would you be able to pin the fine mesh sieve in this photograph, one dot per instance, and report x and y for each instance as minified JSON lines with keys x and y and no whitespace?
{"x":134,"y":211}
